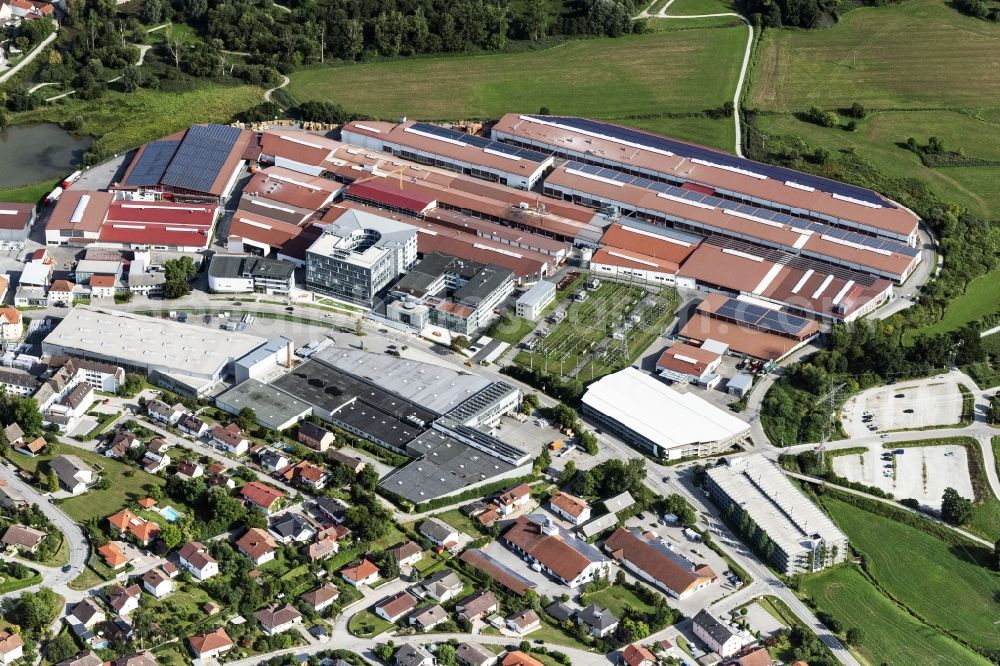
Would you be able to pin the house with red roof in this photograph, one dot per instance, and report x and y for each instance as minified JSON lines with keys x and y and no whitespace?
{"x":261,"y":495}
{"x":230,"y":438}
{"x":210,"y":645}
{"x":360,"y":573}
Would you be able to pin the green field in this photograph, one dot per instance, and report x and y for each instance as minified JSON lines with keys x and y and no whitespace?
{"x":697,"y":7}
{"x":871,"y":56}
{"x":680,"y":71}
{"x":981,"y":297}
{"x":617,"y":599}
{"x":893,"y":636}
{"x":943,"y":583}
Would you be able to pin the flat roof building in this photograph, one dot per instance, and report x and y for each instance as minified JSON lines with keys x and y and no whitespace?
{"x":359,"y":255}
{"x":274,"y":408}
{"x":804,"y":538}
{"x":186,"y":358}
{"x":651,"y":416}
{"x":250,"y":274}
{"x":533,"y":302}
{"x":451,"y":149}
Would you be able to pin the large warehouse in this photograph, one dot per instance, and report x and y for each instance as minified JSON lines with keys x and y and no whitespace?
{"x":188,"y":359}
{"x":804,"y":537}
{"x":646,"y":413}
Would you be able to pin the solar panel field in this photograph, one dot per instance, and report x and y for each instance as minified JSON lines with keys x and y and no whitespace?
{"x":678,"y":72}
{"x":920,"y":68}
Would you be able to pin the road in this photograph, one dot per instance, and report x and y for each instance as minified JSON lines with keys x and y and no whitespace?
{"x":79,"y":548}
{"x":284,"y":82}
{"x":10,"y":73}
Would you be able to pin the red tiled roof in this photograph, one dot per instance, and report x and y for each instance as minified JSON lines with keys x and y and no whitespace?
{"x":574,"y":506}
{"x":359,"y":571}
{"x":261,"y":494}
{"x":208,"y":642}
{"x":256,"y":542}
{"x":102,"y":281}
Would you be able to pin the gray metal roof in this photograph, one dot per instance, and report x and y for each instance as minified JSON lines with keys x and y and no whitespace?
{"x":272,"y":406}
{"x":232,"y":266}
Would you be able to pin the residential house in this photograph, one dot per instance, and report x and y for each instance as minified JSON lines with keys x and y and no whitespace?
{"x":523,"y":622}
{"x":154,"y":463}
{"x":74,"y":474}
{"x":14,"y":434}
{"x":211,"y":645}
{"x":394,"y":608}
{"x":257,"y":545}
{"x":64,"y":414}
{"x":103,"y":286}
{"x":359,"y":573}
{"x":321,"y":597}
{"x":139,"y":659}
{"x":514,"y":499}
{"x":571,"y":508}
{"x":278,"y":619}
{"x":85,"y":658}
{"x":314,"y":436}
{"x":164,"y":413}
{"x":273,"y":460}
{"x":439,"y":533}
{"x":126,"y":522}
{"x":123,"y":600}
{"x":428,"y":617}
{"x":113,"y":555}
{"x":560,"y":611}
{"x":262,"y":495}
{"x":122,"y":442}
{"x":657,"y":564}
{"x":146,"y":284}
{"x":719,"y":637}
{"x":636,"y":655}
{"x":599,"y":621}
{"x":407,"y":554}
{"x":157,"y":583}
{"x":195,"y":558}
{"x":758,"y":656}
{"x":23,"y":538}
{"x":322,"y":549}
{"x":11,"y":647}
{"x":411,"y":655}
{"x":218,"y":475}
{"x":443,"y":585}
{"x":353,"y":463}
{"x":230,"y":438}
{"x":477,"y":605}
{"x":470,"y":654}
{"x":86,"y":614}
{"x":306,"y":474}
{"x":289,"y":527}
{"x":11,"y":325}
{"x":331,"y":508}
{"x":188,"y":470}
{"x":192,"y":425}
{"x":32,"y":448}
{"x":556,"y":551}
{"x":518,"y":658}
{"x":60,"y":293}
{"x":10,"y":497}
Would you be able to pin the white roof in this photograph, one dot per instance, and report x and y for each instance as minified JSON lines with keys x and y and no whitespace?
{"x":35,"y":274}
{"x":341,"y":237}
{"x":715,"y":346}
{"x":538,"y":293}
{"x":657,"y":412}
{"x":132,"y":339}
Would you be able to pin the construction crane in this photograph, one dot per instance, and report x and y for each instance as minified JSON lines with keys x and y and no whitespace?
{"x":399,"y":171}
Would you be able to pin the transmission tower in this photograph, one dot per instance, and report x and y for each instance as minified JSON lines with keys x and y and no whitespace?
{"x":828,"y":403}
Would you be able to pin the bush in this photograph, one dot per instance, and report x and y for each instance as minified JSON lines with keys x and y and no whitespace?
{"x":321,"y":112}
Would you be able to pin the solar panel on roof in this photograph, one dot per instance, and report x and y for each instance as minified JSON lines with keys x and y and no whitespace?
{"x":200,"y":157}
{"x":480,"y":142}
{"x":699,"y":152}
{"x":151,"y":164}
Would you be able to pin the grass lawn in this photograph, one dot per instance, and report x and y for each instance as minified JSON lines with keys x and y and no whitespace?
{"x":656,"y":73}
{"x":87,"y":579}
{"x":512,"y":331}
{"x":694,"y":7}
{"x":955,"y":590}
{"x":981,"y":297}
{"x":123,"y":121}
{"x":367,"y":625}
{"x":459,"y":521}
{"x":893,"y":636}
{"x":182,"y":610}
{"x":719,"y":134}
{"x":29,"y":193}
{"x":617,"y":599}
{"x":127,"y":483}
{"x":555,"y":636}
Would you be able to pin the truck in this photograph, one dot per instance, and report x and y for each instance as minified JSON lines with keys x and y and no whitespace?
{"x":70,"y":179}
{"x":53,"y":196}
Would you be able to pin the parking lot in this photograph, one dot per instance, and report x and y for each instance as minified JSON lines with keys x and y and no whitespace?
{"x":920,"y":472}
{"x":905,"y":406}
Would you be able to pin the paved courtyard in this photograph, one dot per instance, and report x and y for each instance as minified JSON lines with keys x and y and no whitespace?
{"x":905,"y":406}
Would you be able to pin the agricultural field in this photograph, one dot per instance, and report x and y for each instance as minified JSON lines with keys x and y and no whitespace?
{"x":869,"y":57}
{"x":683,"y":71}
{"x":582,"y":345}
{"x":699,"y":7}
{"x":893,"y":636}
{"x":957,"y":590}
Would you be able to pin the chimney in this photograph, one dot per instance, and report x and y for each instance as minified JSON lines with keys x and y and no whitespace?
{"x":288,"y":354}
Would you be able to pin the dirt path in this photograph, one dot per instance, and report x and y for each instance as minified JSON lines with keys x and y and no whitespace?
{"x":284,"y":82}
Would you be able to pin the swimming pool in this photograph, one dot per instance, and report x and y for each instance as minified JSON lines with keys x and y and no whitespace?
{"x":170,"y":513}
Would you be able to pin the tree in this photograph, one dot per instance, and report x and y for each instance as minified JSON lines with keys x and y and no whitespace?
{"x":368,"y":477}
{"x":132,"y":79}
{"x":151,"y":12}
{"x":246,"y":419}
{"x":537,"y":19}
{"x":53,"y":481}
{"x":955,"y":509}
{"x":543,"y":461}
{"x":321,"y":112}
{"x":179,"y":273}
{"x":459,"y":342}
{"x":171,"y":536}
{"x":445,"y":655}
{"x":858,"y":111}
{"x":359,"y":328}
{"x":855,"y":636}
{"x":3,"y":120}
{"x":568,"y":474}
{"x":588,"y":442}
{"x":35,"y":611}
{"x":132,"y":385}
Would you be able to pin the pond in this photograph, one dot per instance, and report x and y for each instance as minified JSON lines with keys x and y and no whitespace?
{"x":35,"y":153}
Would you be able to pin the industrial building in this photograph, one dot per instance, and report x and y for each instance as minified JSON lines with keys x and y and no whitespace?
{"x":234,"y":274}
{"x":646,"y":413}
{"x":556,"y":551}
{"x":201,"y":163}
{"x":633,"y":251}
{"x":190,"y":360}
{"x":453,"y":293}
{"x":359,"y":255}
{"x":450,"y":149}
{"x":16,"y":220}
{"x":658,"y":564}
{"x":709,"y":171}
{"x":533,"y":302}
{"x":689,"y":364}
{"x":803,"y":537}
{"x":275,"y":409}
